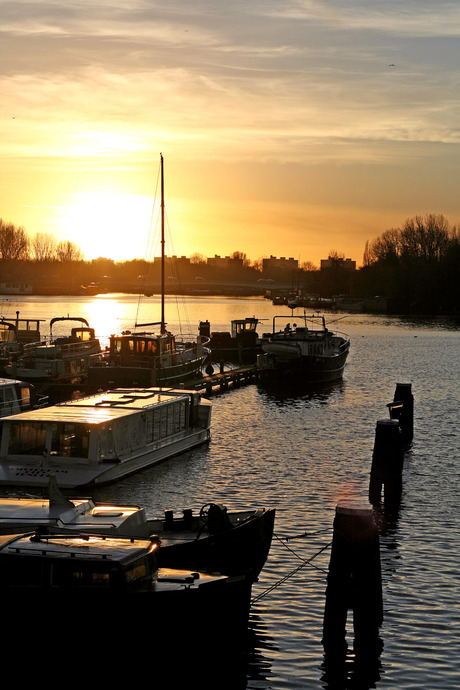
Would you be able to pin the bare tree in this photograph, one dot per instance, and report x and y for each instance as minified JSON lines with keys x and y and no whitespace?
{"x":68,"y":251}
{"x":44,"y":247}
{"x":14,"y":242}
{"x":197,"y":258}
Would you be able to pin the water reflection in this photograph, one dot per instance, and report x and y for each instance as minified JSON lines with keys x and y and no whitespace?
{"x":283,"y":394}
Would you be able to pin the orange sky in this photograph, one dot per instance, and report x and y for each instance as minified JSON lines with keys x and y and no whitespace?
{"x":288,"y":128}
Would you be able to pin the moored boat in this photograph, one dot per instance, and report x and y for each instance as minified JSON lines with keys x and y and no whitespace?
{"x":152,"y":357}
{"x":239,"y":345}
{"x":214,"y":538}
{"x":308,"y":353}
{"x":59,"y":359}
{"x":111,"y":589}
{"x":18,"y":396}
{"x":101,"y":438}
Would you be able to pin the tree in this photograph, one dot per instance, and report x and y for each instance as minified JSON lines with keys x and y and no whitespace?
{"x":68,"y":251}
{"x":44,"y":247}
{"x":14,"y":242}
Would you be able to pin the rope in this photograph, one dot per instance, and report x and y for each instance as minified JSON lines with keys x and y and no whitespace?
{"x":293,"y":572}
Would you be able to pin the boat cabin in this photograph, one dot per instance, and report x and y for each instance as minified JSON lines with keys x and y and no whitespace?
{"x":244,"y":326}
{"x":89,"y":563}
{"x":129,"y":347}
{"x":15,"y":396}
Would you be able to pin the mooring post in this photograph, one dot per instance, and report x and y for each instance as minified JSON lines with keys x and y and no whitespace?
{"x":402,"y":409}
{"x":387,"y":463}
{"x":354,"y":581}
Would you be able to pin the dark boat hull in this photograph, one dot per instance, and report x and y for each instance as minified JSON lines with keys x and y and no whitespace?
{"x":242,"y":548}
{"x":308,"y":369}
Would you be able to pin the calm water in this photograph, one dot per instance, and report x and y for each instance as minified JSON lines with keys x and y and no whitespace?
{"x":301,"y":452}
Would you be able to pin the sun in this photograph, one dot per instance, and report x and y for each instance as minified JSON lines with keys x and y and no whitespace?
{"x":108,"y":224}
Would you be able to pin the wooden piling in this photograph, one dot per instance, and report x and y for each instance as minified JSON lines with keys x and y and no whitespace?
{"x":354,"y":581}
{"x":402,"y":409}
{"x":387,"y":463}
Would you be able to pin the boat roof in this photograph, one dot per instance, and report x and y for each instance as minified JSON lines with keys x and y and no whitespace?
{"x":34,"y":510}
{"x":83,"y":547}
{"x":96,"y":409}
{"x":6,"y":382}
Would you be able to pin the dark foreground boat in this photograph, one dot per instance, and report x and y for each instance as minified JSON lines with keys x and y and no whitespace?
{"x":213,"y":538}
{"x":308,"y":353}
{"x":109,"y":596}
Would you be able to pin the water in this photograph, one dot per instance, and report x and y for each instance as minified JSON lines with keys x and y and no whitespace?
{"x":302,"y":451}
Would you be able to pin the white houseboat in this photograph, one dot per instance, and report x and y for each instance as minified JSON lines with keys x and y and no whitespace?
{"x":101,"y":438}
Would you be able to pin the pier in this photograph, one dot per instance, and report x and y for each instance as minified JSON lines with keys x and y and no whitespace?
{"x":223,"y":380}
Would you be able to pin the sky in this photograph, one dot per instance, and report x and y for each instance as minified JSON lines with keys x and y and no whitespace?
{"x":288,"y":127}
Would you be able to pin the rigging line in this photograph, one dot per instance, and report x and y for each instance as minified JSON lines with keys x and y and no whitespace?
{"x":293,"y":572}
{"x":178,"y":298}
{"x":297,"y":555}
{"x":304,"y":534}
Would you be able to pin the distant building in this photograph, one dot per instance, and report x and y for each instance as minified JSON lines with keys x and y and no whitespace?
{"x":173,"y":261}
{"x":225,"y":262}
{"x":274,"y":265}
{"x":347,"y":264}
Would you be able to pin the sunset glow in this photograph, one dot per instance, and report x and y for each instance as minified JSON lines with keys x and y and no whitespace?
{"x":288,"y":129}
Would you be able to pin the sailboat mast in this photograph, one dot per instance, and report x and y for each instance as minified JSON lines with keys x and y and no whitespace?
{"x":163,"y":327}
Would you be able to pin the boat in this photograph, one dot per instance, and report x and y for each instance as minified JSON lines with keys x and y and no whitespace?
{"x":308,"y":353}
{"x":239,"y":345}
{"x":59,"y":359}
{"x":18,"y":396}
{"x":110,"y":593}
{"x":14,"y":334}
{"x":101,"y":438}
{"x":213,"y":538}
{"x":151,"y":358}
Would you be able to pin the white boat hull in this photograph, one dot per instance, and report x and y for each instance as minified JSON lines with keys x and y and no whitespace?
{"x":38,"y":472}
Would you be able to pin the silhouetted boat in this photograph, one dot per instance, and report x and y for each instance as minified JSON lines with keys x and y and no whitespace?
{"x":239,"y":345}
{"x":308,"y":353}
{"x":109,"y":592}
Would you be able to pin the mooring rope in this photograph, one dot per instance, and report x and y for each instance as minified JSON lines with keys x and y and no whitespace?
{"x":293,"y":572}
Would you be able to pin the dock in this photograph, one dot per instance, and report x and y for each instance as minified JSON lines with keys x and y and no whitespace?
{"x":223,"y":380}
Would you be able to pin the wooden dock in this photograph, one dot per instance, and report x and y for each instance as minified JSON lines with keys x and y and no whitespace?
{"x":223,"y":380}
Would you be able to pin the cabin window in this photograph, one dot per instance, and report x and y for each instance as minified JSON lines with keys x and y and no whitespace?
{"x":76,"y":575}
{"x":25,"y":396}
{"x":70,"y":440}
{"x":27,"y":438}
{"x":137,"y":571}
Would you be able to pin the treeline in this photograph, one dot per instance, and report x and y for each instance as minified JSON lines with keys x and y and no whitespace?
{"x":16,"y":245}
{"x":414,"y":267}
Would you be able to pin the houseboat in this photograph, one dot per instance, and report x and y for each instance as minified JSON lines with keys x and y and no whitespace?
{"x":101,"y":438}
